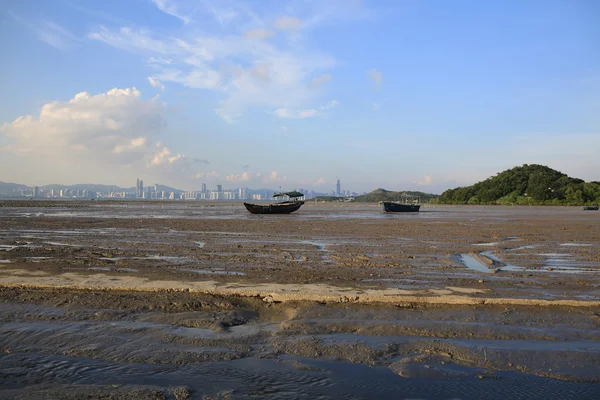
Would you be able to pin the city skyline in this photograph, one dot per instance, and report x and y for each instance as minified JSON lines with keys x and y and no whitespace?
{"x":157,"y":192}
{"x":411,"y":95}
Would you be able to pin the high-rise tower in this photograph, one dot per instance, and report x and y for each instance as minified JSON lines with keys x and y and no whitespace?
{"x":338,"y":190}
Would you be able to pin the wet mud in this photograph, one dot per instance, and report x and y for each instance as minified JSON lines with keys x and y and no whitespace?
{"x":228,"y":339}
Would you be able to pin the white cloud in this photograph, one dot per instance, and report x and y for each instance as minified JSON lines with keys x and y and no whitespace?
{"x":274,"y":177}
{"x":49,"y":32}
{"x":114,"y":127}
{"x":295,"y":114}
{"x":156,"y":83}
{"x":376,"y":76}
{"x":243,"y":177}
{"x":134,"y":144}
{"x":171,"y":8}
{"x":213,"y":175}
{"x":319,"y":182}
{"x":164,"y":156}
{"x":330,"y":104}
{"x":304,"y":113}
{"x":317,"y":81}
{"x":245,"y":73}
{"x":426,"y":181}
{"x":159,"y":60}
{"x":259,"y":33}
{"x":287,"y":24}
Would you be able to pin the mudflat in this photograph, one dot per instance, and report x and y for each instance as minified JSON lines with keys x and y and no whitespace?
{"x":204,"y":300}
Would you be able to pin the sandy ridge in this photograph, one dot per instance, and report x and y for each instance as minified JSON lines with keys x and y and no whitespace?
{"x":274,"y":292}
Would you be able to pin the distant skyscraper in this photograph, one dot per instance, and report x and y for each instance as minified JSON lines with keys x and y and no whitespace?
{"x":204,"y":188}
{"x":36,"y":191}
{"x":338,"y":190}
{"x":219,"y":188}
{"x":141,"y":189}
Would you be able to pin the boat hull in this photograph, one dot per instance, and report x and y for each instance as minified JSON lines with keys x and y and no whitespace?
{"x":390,"y":206}
{"x":277,"y":208}
{"x":591,"y":208}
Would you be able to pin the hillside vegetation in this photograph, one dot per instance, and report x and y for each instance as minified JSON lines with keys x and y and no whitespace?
{"x":387,"y":195}
{"x":378,"y":195}
{"x":529,"y":184}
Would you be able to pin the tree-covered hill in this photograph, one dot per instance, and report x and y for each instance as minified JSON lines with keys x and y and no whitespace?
{"x":378,"y":195}
{"x":529,"y":184}
{"x":387,"y":195}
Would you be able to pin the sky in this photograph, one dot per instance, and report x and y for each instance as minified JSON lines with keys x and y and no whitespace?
{"x":399,"y":94}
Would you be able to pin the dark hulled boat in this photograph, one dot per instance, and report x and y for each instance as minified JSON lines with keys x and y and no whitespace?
{"x":392,"y":206}
{"x":591,"y":208}
{"x":285,"y":207}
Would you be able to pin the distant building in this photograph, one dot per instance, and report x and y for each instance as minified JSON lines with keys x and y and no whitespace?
{"x":338,"y":188}
{"x":220,"y":188}
{"x":204,"y":188}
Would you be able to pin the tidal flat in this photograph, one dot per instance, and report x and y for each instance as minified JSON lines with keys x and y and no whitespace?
{"x":338,"y":300}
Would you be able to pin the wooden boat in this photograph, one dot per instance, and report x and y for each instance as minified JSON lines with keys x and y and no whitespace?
{"x":591,"y":208}
{"x":392,"y":206}
{"x":284,"y":207}
{"x":407,"y":204}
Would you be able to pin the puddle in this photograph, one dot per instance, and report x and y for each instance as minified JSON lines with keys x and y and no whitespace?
{"x":529,"y":246}
{"x":200,"y":244}
{"x":215,"y":272}
{"x":576,"y":244}
{"x":5,"y":261}
{"x":554,"y":262}
{"x":487,"y":244}
{"x":322,"y":247}
{"x":472,"y":263}
{"x":7,"y":247}
{"x":112,"y":269}
{"x":37,"y":259}
{"x":490,"y":244}
{"x":62,"y":244}
{"x":172,"y":259}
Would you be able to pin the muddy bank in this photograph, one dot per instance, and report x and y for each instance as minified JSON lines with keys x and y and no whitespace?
{"x":55,"y":341}
{"x":159,"y":300}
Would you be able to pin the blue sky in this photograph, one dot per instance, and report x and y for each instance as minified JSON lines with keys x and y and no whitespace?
{"x":404,"y":95}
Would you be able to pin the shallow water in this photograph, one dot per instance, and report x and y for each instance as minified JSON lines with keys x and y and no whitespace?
{"x":365,"y":211}
{"x":279,"y":379}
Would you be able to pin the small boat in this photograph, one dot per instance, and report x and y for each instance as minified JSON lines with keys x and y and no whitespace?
{"x":591,"y":208}
{"x":408,"y":204}
{"x":284,"y":207}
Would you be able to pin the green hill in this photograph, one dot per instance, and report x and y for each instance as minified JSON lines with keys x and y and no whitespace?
{"x":529,"y":184}
{"x":387,"y":195}
{"x":378,"y":195}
